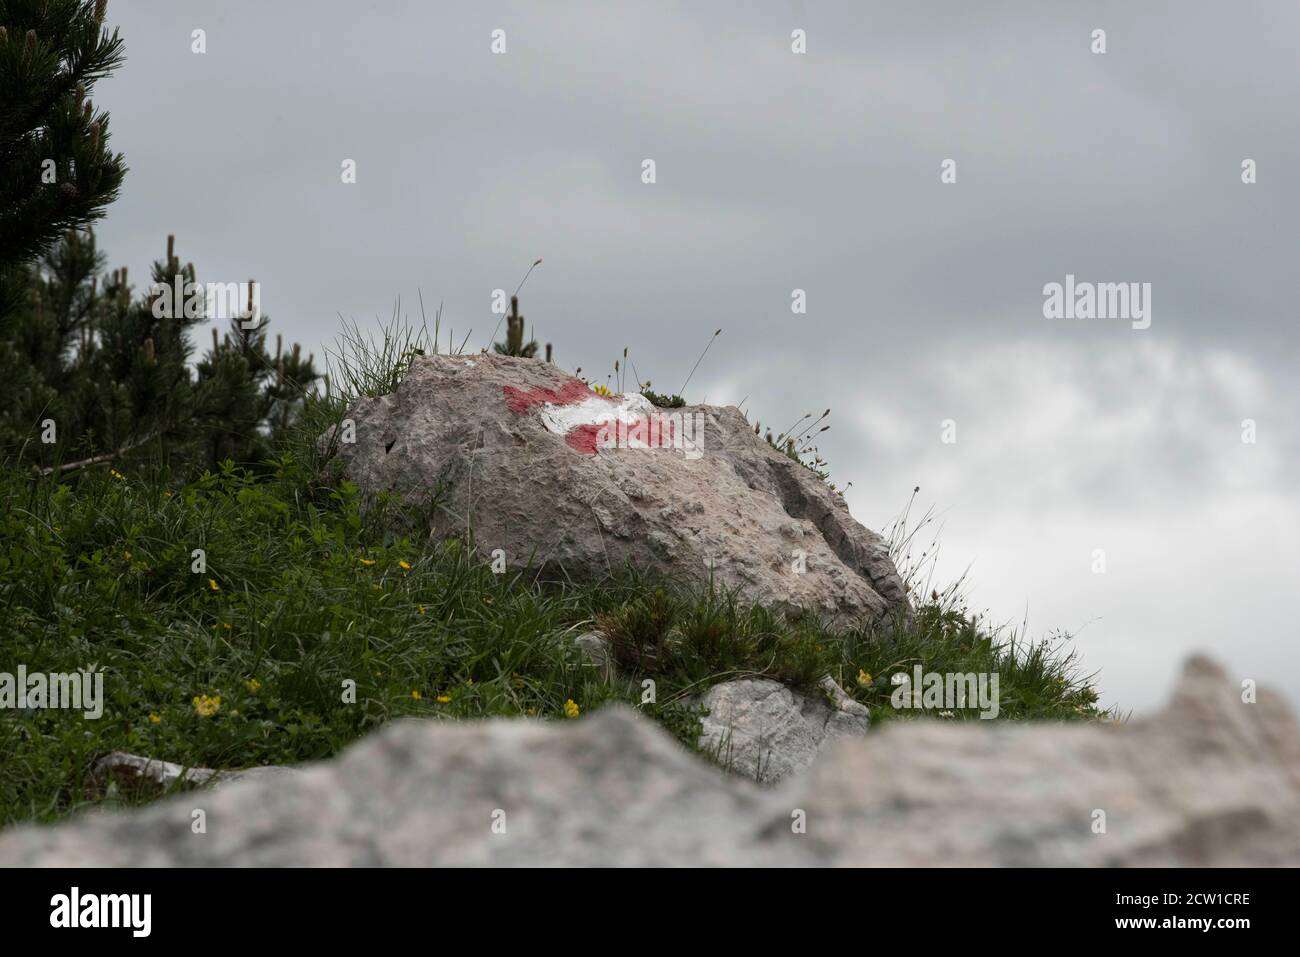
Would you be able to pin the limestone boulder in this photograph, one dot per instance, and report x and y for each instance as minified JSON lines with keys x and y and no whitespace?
{"x":527,"y":460}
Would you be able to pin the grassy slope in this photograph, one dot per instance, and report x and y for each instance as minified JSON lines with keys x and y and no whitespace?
{"x":300,"y":594}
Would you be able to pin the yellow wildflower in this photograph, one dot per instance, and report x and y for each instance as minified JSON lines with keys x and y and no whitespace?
{"x":404,"y":566}
{"x":571,"y":709}
{"x":155,"y":718}
{"x":416,"y":695}
{"x":252,"y":684}
{"x":212,"y":584}
{"x":207,"y":705}
{"x":444,"y":699}
{"x":116,"y":474}
{"x":864,"y":678}
{"x":600,"y":389}
{"x":367,"y":562}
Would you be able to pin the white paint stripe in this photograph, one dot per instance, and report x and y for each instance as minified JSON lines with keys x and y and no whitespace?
{"x":595,"y":410}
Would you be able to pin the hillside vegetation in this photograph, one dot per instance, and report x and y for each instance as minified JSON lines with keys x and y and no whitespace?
{"x":248,"y":662}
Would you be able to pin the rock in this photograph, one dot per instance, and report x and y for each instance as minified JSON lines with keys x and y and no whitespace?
{"x":135,"y":772}
{"x":595,"y":648}
{"x":765,"y":731}
{"x":604,"y":789}
{"x":538,"y":465}
{"x":131,"y":770}
{"x":1211,"y":781}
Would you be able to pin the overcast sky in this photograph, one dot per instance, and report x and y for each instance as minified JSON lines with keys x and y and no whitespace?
{"x":777,"y":171}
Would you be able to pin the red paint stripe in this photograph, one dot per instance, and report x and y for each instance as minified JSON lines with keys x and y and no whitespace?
{"x":522,"y":400}
{"x":583,"y":438}
{"x":656,"y":433}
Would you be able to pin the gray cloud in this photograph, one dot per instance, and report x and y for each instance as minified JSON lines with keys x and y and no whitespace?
{"x":818,"y":172}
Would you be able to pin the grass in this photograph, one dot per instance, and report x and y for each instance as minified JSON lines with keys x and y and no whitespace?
{"x":361,"y":363}
{"x":662,"y":401}
{"x":301,"y":596}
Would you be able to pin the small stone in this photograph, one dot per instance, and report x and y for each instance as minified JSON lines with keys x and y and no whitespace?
{"x":761,"y":729}
{"x":595,"y":646}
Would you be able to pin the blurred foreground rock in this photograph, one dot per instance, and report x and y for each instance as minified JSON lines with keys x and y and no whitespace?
{"x":1210,"y":781}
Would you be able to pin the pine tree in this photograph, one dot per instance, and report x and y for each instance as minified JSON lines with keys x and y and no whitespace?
{"x":514,"y":344}
{"x":105,"y":373}
{"x":56,"y":169}
{"x":42,"y":338}
{"x":112,"y":371}
{"x":247,"y":397}
{"x":137,"y":388}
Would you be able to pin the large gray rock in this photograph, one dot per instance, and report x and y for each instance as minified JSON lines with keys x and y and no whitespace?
{"x":763,"y":730}
{"x":513,"y":450}
{"x":1212,"y":781}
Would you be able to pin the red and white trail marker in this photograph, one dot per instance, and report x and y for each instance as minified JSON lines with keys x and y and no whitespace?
{"x":587,"y":420}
